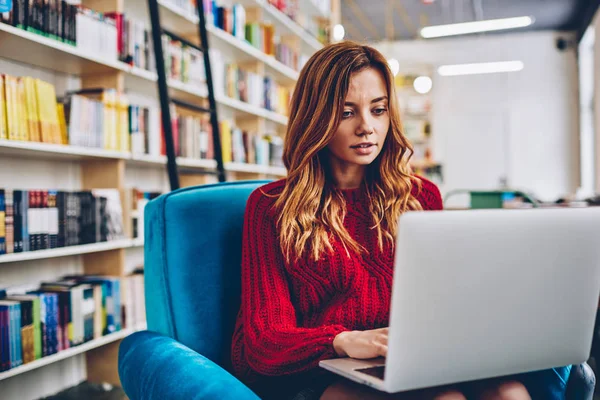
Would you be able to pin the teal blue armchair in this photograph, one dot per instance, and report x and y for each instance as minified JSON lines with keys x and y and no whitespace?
{"x":192,"y":278}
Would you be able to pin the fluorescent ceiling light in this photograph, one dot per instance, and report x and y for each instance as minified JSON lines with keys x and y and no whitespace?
{"x":474,"y":27}
{"x":480,"y":68}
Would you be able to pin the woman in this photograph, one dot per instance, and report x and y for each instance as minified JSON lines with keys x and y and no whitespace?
{"x":318,"y":247}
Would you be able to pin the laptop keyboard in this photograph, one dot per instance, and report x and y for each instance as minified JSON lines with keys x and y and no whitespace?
{"x":377,"y":372}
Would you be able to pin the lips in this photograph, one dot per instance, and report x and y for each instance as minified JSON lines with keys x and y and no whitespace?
{"x":363,"y":145}
{"x":364,"y":149}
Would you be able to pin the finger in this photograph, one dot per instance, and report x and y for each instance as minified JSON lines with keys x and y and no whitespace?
{"x":383,"y":330}
{"x":382,"y":339}
{"x":382,"y":349}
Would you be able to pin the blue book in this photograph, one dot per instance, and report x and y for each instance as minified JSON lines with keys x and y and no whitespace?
{"x":48,"y":321}
{"x":15,"y":353}
{"x":16,"y":321}
{"x":2,"y":222}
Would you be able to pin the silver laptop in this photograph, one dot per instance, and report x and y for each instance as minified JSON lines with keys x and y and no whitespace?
{"x":480,"y":294}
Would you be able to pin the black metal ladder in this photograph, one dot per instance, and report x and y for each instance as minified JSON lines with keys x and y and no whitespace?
{"x":165,"y":101}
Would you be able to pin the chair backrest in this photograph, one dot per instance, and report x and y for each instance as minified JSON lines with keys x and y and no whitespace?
{"x":192,"y":268}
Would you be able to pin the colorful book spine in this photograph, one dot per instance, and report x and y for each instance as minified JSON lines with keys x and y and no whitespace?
{"x":2,"y":222}
{"x":5,"y":347}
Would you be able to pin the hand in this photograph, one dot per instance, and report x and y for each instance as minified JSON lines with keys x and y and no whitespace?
{"x":362,"y":344}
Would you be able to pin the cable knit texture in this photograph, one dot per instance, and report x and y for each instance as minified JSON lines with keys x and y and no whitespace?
{"x":291,"y":312}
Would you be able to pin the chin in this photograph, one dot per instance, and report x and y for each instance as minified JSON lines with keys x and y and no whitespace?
{"x":362,"y":160}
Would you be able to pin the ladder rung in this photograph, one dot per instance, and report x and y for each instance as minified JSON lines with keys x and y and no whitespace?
{"x":191,"y":106}
{"x":183,"y":40}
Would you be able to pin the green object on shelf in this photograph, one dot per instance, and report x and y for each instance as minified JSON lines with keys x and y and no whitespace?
{"x":485,"y":199}
{"x":491,"y":199}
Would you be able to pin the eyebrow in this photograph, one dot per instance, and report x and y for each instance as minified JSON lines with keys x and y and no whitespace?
{"x":376,"y":100}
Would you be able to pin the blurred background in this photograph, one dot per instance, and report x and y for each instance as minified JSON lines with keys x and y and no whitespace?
{"x":105,"y":105}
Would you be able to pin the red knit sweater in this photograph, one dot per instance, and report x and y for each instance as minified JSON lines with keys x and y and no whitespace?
{"x":291,"y":312}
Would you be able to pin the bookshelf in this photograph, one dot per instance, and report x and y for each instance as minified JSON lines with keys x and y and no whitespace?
{"x":69,"y":167}
{"x":56,"y":151}
{"x":69,"y":251}
{"x":71,"y":352}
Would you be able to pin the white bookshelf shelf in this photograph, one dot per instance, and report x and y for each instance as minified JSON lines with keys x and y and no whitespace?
{"x":56,"y":151}
{"x":139,"y":242}
{"x":145,"y":159}
{"x":71,"y":352}
{"x":33,"y":49}
{"x":253,"y":110}
{"x":66,"y":251}
{"x":196,"y":163}
{"x":255,"y":169}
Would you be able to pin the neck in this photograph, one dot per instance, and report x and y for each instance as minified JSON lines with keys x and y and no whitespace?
{"x":347,"y":176}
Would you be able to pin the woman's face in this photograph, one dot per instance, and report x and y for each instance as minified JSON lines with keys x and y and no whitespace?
{"x":365,"y":121}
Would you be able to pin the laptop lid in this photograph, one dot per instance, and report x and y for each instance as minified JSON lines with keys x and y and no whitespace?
{"x":487,"y":293}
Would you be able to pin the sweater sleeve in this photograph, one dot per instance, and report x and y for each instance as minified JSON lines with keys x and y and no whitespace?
{"x":274,"y":344}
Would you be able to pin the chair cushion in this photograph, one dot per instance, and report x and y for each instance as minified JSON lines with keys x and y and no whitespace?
{"x":192,"y":265}
{"x":155,"y":367}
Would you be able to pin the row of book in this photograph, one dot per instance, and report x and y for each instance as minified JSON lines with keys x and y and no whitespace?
{"x":98,"y":118}
{"x":183,"y":63}
{"x":62,"y":314}
{"x":56,"y":19}
{"x":29,"y":111}
{"x":134,"y":42}
{"x":241,"y":146}
{"x":260,"y":91}
{"x":192,"y":135}
{"x":45,"y":219}
{"x":68,"y":22}
{"x":317,"y":27}
{"x":259,"y":34}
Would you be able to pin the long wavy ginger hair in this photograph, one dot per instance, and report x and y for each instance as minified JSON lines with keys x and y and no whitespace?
{"x":311,"y":211}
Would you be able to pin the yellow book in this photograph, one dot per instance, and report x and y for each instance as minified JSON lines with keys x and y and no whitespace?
{"x":122,"y":108}
{"x":3,"y":121}
{"x":22,"y":104}
{"x":226,"y":140}
{"x":63,"y":137}
{"x":31,"y":110}
{"x":12,"y":116}
{"x":47,"y":112}
{"x":110,"y":122}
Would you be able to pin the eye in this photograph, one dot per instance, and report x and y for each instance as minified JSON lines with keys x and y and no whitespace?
{"x":379,"y":110}
{"x":346,"y":114}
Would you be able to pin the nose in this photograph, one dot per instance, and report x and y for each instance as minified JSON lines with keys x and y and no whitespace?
{"x":366,"y":127}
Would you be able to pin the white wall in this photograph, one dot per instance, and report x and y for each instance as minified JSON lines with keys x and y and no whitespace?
{"x":522,"y":126}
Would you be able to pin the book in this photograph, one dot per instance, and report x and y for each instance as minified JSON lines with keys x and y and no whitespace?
{"x":2,"y":222}
{"x":3,"y":120}
{"x":14,"y":329}
{"x":35,"y":322}
{"x":27,"y":328}
{"x":5,"y":336}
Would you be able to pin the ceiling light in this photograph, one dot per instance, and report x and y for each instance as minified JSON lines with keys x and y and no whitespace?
{"x":474,"y":27}
{"x":394,"y":66}
{"x":480,"y":68}
{"x":338,"y":32}
{"x":423,"y":84}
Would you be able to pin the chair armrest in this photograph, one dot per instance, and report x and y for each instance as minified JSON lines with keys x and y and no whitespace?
{"x":581,"y":384}
{"x":153,"y":367}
